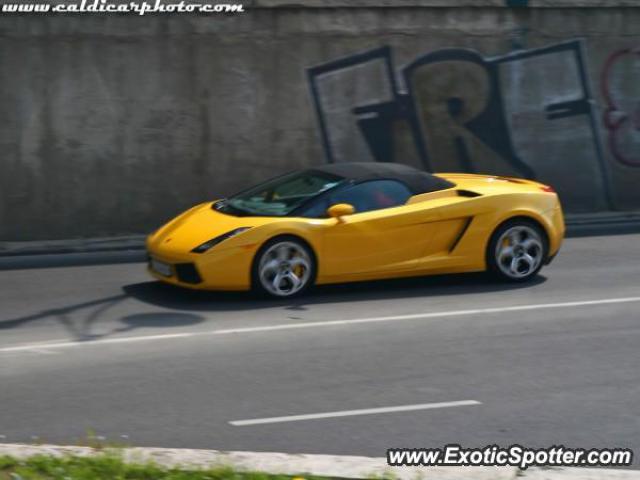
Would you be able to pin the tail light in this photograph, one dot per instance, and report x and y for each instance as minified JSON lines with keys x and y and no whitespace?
{"x":547,"y":188}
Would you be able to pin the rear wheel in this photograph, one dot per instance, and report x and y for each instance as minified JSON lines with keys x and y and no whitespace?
{"x":517,"y":250}
{"x":284,"y":267}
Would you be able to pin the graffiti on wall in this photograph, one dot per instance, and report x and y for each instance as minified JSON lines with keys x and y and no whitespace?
{"x":528,"y":113}
{"x":621,"y":93}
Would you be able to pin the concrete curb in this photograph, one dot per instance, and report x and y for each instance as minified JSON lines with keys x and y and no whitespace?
{"x":593,"y":224}
{"x":122,"y":243}
{"x":577,"y":226}
{"x":320,"y":465}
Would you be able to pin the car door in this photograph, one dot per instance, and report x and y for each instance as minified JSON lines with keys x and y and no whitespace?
{"x":383,"y":236}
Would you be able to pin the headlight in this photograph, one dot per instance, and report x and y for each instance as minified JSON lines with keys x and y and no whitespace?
{"x":215,"y":241}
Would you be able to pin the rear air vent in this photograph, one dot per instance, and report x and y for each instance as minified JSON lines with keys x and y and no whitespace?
{"x":468,"y":193}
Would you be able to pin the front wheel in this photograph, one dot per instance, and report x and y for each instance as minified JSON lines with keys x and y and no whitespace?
{"x":517,"y":250}
{"x":284,"y":267}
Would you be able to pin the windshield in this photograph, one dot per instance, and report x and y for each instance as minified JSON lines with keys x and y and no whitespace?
{"x":280,"y":196}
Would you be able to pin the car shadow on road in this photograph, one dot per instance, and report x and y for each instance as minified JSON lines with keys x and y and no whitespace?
{"x":169,"y":296}
{"x":79,"y":319}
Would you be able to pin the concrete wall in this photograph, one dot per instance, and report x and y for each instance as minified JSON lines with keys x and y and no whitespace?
{"x":112,"y":124}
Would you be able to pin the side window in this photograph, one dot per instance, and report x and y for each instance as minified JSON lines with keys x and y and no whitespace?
{"x":317,"y":210}
{"x":365,"y":197}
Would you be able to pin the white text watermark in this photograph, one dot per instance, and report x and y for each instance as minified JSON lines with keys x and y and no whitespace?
{"x":134,"y":7}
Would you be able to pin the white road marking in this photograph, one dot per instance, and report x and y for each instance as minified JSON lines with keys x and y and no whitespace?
{"x":42,"y":351}
{"x":79,"y":343}
{"x":55,"y":344}
{"x":352,"y":413}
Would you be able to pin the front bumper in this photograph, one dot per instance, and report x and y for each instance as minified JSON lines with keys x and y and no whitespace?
{"x":182,"y":272}
{"x":226,"y":269}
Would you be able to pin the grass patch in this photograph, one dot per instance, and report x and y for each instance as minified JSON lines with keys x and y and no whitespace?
{"x":110,"y":466}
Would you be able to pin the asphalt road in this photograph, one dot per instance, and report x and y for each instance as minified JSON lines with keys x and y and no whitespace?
{"x":105,"y":349}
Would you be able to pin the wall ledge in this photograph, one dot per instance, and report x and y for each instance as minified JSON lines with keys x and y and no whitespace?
{"x":443,"y":3}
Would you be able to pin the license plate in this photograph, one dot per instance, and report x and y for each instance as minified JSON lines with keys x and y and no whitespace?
{"x":161,"y":267}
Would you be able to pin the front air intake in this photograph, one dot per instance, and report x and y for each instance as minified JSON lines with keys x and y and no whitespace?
{"x":187,"y":273}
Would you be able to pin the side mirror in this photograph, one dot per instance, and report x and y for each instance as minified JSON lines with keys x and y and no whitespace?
{"x":340,"y":210}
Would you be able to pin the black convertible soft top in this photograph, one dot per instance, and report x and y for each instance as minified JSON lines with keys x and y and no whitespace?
{"x":416,"y":180}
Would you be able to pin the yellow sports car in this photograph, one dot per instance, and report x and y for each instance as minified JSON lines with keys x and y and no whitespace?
{"x":346,"y":222}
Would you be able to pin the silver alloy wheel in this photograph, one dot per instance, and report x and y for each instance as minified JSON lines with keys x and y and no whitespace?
{"x":284,"y":269}
{"x":519,"y":251}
